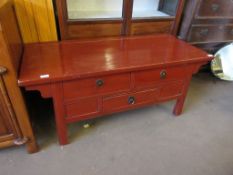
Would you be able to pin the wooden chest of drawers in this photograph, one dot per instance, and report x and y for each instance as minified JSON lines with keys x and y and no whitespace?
{"x":208,"y":24}
{"x":92,"y":78}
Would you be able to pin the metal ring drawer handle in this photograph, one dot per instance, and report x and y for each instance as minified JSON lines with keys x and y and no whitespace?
{"x":3,"y":70}
{"x":163,"y":74}
{"x":204,"y":32}
{"x":99,"y":83}
{"x":215,"y":7}
{"x":231,"y":32}
{"x":131,"y":100}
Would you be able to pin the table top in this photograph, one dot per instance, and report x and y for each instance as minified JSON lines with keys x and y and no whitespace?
{"x":65,"y":60}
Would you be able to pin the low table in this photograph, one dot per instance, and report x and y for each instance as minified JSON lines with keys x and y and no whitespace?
{"x":91,"y":78}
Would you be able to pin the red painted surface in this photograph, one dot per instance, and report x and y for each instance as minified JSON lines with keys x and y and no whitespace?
{"x":92,"y":78}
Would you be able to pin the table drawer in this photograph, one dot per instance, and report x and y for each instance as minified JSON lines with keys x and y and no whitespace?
{"x":82,"y":107}
{"x":154,"y":76}
{"x":215,"y":8}
{"x":126,"y":101}
{"x":208,"y":33}
{"x":96,"y":86}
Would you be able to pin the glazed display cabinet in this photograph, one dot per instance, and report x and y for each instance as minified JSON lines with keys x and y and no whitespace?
{"x":102,"y":18}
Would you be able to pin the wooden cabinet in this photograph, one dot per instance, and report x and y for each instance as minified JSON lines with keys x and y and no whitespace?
{"x":99,"y":18}
{"x":10,"y":133}
{"x":15,"y":128}
{"x":207,"y":24}
{"x":94,"y":77}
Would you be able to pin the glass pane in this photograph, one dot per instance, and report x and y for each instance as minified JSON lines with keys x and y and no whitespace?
{"x":154,"y":8}
{"x":92,"y":9}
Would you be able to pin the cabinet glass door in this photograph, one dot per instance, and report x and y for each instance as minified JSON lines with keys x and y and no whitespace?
{"x":154,"y":8}
{"x":94,"y":9}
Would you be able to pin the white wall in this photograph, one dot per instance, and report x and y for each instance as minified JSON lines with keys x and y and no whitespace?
{"x":142,"y":5}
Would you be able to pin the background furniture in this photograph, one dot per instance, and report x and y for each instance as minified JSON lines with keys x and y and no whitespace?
{"x":100,"y":18}
{"x":36,"y":20}
{"x":207,"y":24}
{"x":92,"y":78}
{"x":15,"y":128}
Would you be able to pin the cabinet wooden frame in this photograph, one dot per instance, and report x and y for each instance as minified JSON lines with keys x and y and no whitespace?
{"x":207,"y":24}
{"x":125,"y":26}
{"x":15,"y":126}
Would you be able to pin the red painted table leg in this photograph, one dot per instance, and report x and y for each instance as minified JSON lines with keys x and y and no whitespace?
{"x":180,"y":101}
{"x":179,"y":106}
{"x":61,"y":125}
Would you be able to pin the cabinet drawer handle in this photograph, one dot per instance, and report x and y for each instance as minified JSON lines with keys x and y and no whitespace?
{"x":215,"y":7}
{"x":163,"y":74}
{"x":204,"y":32}
{"x":131,"y":100}
{"x":231,"y":32}
{"x":99,"y":83}
{"x":3,"y":70}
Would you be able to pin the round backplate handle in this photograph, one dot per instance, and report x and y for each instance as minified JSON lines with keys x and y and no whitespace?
{"x":3,"y":70}
{"x":131,"y":100}
{"x":99,"y":83}
{"x":163,"y":74}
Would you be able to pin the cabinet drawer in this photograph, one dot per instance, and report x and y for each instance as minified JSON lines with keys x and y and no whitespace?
{"x":210,"y":33}
{"x":93,"y":30}
{"x":127,"y":101}
{"x":82,"y":107}
{"x":215,"y":8}
{"x":140,"y":28}
{"x":96,"y":86}
{"x":153,"y":77}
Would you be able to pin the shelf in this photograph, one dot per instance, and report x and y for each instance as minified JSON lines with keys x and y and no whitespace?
{"x":78,"y":15}
{"x":149,"y":13}
{"x":94,"y":9}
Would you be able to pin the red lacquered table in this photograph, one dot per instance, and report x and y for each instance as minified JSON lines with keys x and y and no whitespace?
{"x":92,"y":78}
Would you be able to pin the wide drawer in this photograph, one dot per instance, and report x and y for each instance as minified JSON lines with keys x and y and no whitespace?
{"x":96,"y":86}
{"x":131,"y":100}
{"x":152,"y":77}
{"x":211,"y":33}
{"x":82,"y":107}
{"x":140,"y":28}
{"x":215,"y":8}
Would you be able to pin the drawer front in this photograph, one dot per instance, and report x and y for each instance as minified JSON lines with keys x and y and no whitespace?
{"x":215,"y":8}
{"x":152,"y":77}
{"x":210,"y":33}
{"x":96,"y":86}
{"x":171,"y":90}
{"x":140,"y":28}
{"x":127,"y":101}
{"x":82,"y":107}
{"x":93,"y":30}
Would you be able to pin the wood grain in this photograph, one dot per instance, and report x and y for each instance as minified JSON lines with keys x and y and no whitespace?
{"x":10,"y":53}
{"x":36,"y":20}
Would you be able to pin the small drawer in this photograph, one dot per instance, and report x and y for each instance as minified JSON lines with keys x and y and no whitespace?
{"x":96,"y":86}
{"x":215,"y":8}
{"x":210,"y":33}
{"x":171,"y":90}
{"x":127,"y":101}
{"x":140,"y":28}
{"x":82,"y":107}
{"x":152,"y":77}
